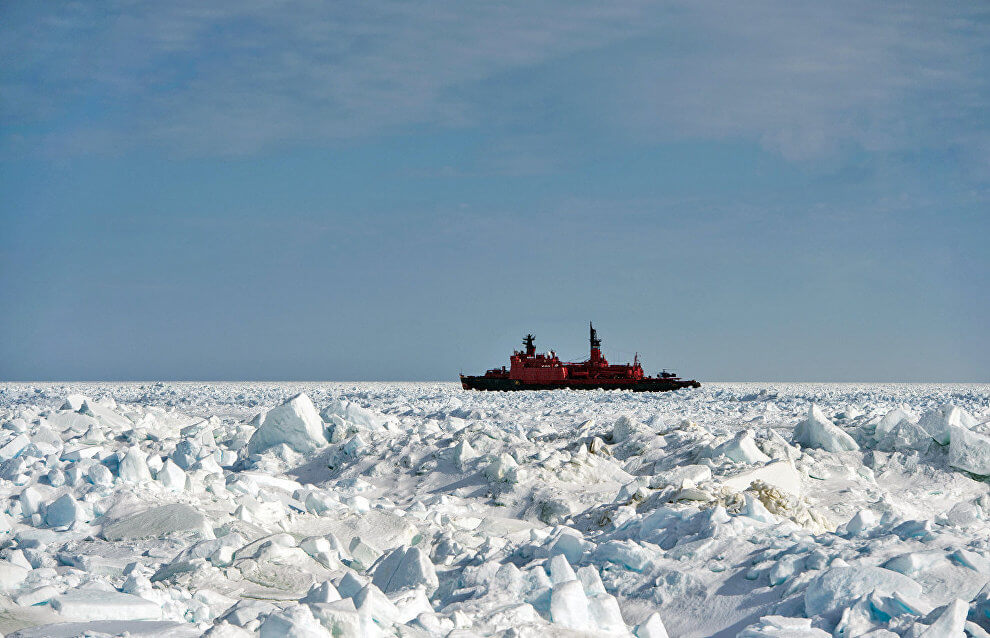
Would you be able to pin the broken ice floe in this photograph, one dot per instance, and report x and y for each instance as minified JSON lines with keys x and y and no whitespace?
{"x":361,"y":510}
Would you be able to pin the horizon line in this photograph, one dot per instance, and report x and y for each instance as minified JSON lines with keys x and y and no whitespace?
{"x":719,"y":382}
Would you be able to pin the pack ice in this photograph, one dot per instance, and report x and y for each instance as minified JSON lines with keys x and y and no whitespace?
{"x":753,"y":510}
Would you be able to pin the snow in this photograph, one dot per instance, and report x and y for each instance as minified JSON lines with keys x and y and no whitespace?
{"x":157,"y":522}
{"x":172,"y":476}
{"x":606,"y":615}
{"x":424,"y":510}
{"x":950,"y":623}
{"x":652,"y":628}
{"x":770,"y":626}
{"x":64,"y":511}
{"x":741,"y":449}
{"x":13,"y":447}
{"x":406,"y":568}
{"x":104,"y":605}
{"x":294,"y":423}
{"x":969,"y":451}
{"x":353,"y":414}
{"x":780,"y":474}
{"x":134,"y":466}
{"x":840,"y":586}
{"x":890,"y":421}
{"x":817,"y":431}
{"x":132,"y":628}
{"x":625,"y":428}
{"x":940,"y":421}
{"x":503,"y":469}
{"x":11,"y":575}
{"x":322,"y":593}
{"x":569,"y":606}
{"x":294,"y":622}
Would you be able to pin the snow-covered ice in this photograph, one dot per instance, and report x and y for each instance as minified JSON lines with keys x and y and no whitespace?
{"x":420,"y":509}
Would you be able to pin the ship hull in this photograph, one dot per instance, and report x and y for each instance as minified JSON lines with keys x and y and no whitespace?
{"x":641,"y":385}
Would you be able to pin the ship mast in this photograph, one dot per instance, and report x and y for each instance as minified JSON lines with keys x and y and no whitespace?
{"x":596,"y":344}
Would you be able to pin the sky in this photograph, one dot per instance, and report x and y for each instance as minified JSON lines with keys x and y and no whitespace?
{"x":246,"y":190}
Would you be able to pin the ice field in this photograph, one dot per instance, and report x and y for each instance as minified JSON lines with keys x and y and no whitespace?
{"x":420,"y":509}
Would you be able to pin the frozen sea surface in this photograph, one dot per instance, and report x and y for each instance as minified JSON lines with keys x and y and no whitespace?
{"x":420,"y":509}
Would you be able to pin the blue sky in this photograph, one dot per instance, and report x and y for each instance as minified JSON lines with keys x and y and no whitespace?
{"x":387,"y":190}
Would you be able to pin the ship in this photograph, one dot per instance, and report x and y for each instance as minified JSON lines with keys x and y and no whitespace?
{"x":531,"y":371}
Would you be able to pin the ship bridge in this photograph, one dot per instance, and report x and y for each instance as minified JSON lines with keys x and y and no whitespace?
{"x":528,"y":366}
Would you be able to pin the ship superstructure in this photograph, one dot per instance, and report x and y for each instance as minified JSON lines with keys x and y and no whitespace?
{"x":529,"y":370}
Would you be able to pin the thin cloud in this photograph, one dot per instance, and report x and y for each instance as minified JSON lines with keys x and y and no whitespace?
{"x":805,"y":81}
